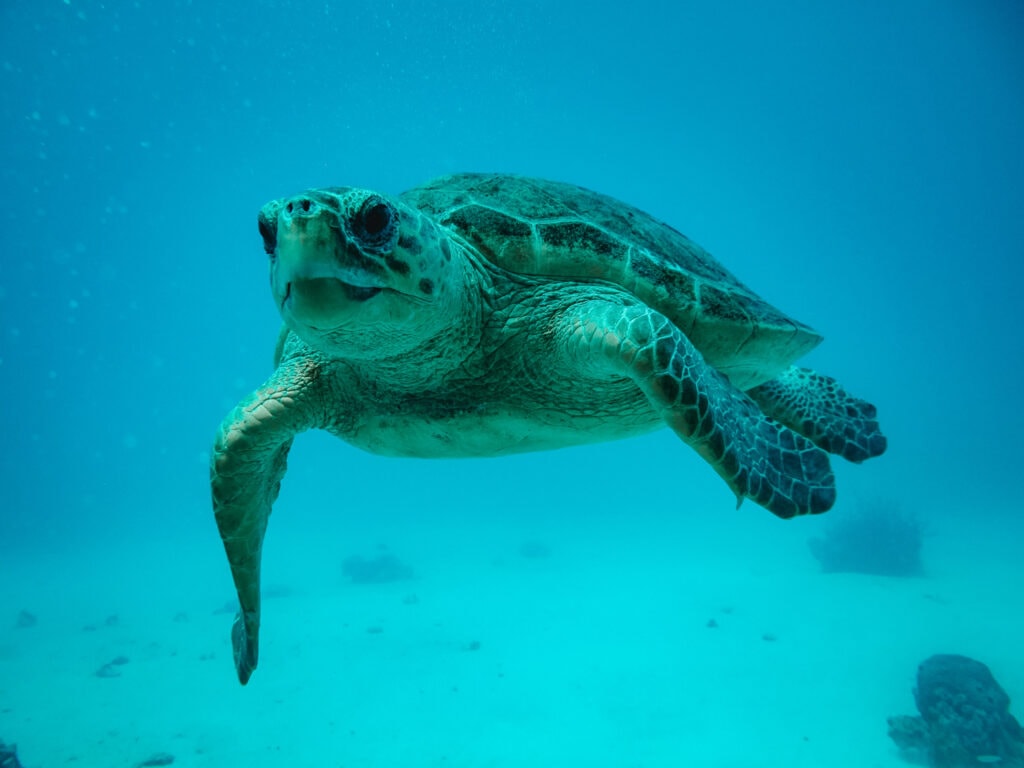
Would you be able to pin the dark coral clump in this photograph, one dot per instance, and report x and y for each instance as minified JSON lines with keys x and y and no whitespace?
{"x":8,"y":756}
{"x":965,"y":717}
{"x":879,"y":540}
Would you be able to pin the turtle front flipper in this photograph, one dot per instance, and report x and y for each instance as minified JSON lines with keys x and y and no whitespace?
{"x":758,"y":457}
{"x":819,"y":408}
{"x":249,"y":459}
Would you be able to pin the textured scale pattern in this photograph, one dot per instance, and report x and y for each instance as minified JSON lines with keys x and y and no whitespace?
{"x":817,"y":406}
{"x":759,"y":458}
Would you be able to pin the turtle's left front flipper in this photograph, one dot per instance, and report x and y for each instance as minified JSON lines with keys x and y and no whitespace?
{"x":820,"y":409}
{"x":760,"y":458}
{"x":249,"y":459}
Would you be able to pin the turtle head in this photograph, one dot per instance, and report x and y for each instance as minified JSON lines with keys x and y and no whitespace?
{"x":358,"y":274}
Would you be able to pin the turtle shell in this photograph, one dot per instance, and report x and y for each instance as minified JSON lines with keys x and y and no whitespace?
{"x":551,"y":229}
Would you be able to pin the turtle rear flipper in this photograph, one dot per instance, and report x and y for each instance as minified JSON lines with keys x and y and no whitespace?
{"x":760,"y":458}
{"x":819,"y":408}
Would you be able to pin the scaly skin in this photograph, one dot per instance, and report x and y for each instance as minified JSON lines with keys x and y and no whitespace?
{"x":817,"y":406}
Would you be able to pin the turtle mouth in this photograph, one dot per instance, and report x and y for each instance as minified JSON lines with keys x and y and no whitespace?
{"x":325,"y":286}
{"x":324,"y":302}
{"x":359,"y":292}
{"x":322,"y":286}
{"x":349,"y":290}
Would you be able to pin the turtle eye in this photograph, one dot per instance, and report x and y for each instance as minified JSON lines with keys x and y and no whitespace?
{"x":376,"y":218}
{"x":374,"y":224}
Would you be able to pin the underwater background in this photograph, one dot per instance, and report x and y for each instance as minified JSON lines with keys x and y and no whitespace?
{"x":859,"y":165}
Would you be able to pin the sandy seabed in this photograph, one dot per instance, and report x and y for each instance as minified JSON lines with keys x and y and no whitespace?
{"x":633,"y":644}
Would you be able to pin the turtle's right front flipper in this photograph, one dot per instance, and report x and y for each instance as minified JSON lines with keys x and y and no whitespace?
{"x":248,"y":462}
{"x":760,"y":458}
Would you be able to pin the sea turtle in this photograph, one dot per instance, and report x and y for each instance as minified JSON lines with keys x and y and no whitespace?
{"x":488,"y":314}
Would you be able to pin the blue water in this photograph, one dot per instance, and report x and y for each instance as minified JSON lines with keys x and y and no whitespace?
{"x":859,"y":165}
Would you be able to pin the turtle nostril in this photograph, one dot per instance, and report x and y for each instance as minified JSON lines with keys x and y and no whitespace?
{"x":300,"y":206}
